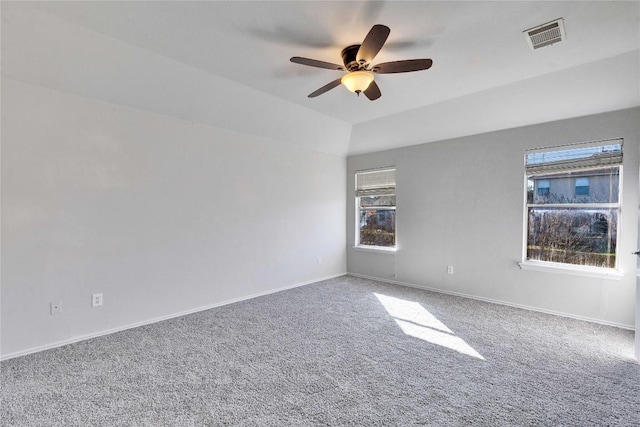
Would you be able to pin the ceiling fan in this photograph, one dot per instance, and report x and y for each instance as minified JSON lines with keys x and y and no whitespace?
{"x":357,"y":62}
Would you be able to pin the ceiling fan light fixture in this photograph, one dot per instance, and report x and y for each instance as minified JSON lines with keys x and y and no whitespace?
{"x":357,"y":81}
{"x":356,"y":59}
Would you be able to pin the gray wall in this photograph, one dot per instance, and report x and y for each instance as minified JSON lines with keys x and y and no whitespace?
{"x":460,"y":202}
{"x":161,"y":215}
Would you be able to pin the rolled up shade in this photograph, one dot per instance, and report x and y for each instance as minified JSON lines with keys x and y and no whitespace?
{"x":377,"y":182}
{"x":574,"y":157}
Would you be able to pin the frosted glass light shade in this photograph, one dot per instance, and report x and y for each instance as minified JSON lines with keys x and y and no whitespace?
{"x":357,"y":81}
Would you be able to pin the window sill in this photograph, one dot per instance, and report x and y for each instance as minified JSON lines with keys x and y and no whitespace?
{"x":549,"y":267}
{"x":375,"y":249}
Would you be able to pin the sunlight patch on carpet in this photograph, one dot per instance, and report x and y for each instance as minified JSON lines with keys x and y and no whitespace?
{"x":416,"y":321}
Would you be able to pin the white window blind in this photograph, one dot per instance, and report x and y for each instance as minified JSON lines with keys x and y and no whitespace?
{"x":574,"y":157}
{"x":376,"y":182}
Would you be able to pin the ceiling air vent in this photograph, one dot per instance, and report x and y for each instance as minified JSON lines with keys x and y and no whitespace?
{"x":545,"y":34}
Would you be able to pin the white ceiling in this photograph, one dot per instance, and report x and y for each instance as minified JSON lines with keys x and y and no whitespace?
{"x":477,"y":47}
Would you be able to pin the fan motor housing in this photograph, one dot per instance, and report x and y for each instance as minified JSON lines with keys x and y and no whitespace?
{"x":349,"y":55}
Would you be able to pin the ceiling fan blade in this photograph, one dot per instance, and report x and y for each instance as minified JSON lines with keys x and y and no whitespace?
{"x":316,"y":63}
{"x":373,"y":91}
{"x":325,"y":88}
{"x":372,"y":43}
{"x":402,"y":66}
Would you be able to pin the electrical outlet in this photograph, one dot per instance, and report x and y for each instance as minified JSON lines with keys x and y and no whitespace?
{"x":319,"y":260}
{"x":56,"y":308}
{"x":96,"y":300}
{"x":450,"y":269}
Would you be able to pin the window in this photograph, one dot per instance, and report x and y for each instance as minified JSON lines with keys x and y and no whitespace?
{"x":376,"y":208}
{"x":573,"y":204}
{"x":543,"y":187}
{"x":582,"y":186}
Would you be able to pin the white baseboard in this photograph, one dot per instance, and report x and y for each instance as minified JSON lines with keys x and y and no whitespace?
{"x":493,"y":301}
{"x":159,"y":319}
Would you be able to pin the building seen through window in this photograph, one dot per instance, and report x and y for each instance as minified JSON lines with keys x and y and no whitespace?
{"x":376,"y":208}
{"x":573,"y":204}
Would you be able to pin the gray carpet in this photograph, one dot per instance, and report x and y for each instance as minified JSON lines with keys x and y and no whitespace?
{"x":346,"y":351}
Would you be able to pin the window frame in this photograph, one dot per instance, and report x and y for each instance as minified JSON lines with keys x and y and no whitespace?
{"x":357,"y":243}
{"x":566,"y":268}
